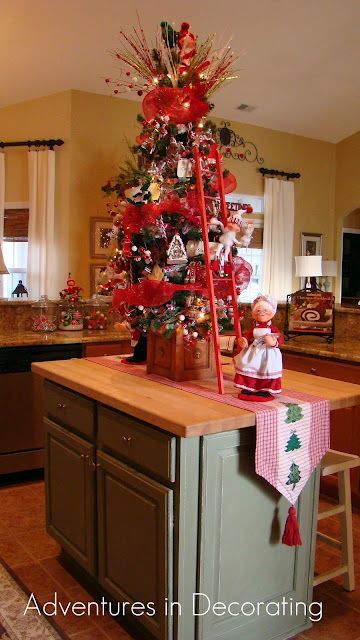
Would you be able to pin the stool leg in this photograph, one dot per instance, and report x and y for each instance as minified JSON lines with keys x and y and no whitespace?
{"x":347,"y":548}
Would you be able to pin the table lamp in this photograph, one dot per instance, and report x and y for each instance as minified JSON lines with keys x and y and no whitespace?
{"x":329,"y":270}
{"x":308,"y":267}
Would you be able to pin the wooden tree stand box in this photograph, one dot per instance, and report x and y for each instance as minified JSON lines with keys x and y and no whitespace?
{"x":174,"y":359}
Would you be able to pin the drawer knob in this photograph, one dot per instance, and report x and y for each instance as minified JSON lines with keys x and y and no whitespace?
{"x":313,"y":370}
{"x":127,"y":440}
{"x":61,"y":405}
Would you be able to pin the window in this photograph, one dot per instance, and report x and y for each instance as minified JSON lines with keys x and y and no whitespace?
{"x":254,"y":253}
{"x":15,"y":245}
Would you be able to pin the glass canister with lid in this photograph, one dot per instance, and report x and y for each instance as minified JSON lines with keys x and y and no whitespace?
{"x":96,"y":314}
{"x":71,"y":307}
{"x":44,"y":314}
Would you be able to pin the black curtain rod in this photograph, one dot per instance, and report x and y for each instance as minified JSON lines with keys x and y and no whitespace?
{"x":33,"y":143}
{"x":275,"y":172}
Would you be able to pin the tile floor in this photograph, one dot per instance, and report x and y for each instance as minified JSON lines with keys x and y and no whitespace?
{"x":33,"y":557}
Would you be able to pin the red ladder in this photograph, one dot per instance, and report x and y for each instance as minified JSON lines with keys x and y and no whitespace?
{"x":228,"y":268}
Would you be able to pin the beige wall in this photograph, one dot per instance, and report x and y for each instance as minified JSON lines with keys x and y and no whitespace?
{"x":347,"y":192}
{"x":314,"y":191}
{"x":352,"y":220}
{"x":44,"y":118}
{"x":102,"y":127}
{"x":96,"y":130}
{"x":347,"y":175}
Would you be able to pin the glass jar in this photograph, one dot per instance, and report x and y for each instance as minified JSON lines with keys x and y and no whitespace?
{"x":71,"y":316}
{"x":44,"y":315}
{"x":96,"y":314}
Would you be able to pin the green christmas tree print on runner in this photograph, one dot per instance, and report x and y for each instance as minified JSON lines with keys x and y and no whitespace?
{"x":294,"y":475}
{"x":294,"y":412}
{"x":293,"y":442}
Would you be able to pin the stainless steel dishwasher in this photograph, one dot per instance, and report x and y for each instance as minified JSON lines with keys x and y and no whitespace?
{"x":21,"y":430}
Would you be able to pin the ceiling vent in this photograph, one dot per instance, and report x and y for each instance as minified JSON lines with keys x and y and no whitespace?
{"x":246,"y":107}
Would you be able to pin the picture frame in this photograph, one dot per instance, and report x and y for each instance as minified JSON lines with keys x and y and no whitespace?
{"x":310,"y":313}
{"x":311,"y":244}
{"x":95,"y":275}
{"x":100,"y":229}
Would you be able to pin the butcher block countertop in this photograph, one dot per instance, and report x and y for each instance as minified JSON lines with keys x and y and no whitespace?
{"x":179,"y":412}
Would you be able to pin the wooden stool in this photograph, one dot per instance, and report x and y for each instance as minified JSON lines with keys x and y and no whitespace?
{"x":340,"y":463}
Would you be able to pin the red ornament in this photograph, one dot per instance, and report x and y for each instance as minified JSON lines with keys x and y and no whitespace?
{"x":182,"y":105}
{"x":243,"y":272}
{"x":230,"y":183}
{"x":149,"y":293}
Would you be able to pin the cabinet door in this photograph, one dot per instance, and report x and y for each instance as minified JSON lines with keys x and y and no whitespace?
{"x":242,"y":559}
{"x":135,"y":540}
{"x":345,"y":436}
{"x":70,"y":493}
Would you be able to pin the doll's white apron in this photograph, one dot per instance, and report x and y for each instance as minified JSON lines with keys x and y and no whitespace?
{"x":260,"y":363}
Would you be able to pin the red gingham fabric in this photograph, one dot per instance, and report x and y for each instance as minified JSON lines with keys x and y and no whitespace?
{"x":270,"y":425}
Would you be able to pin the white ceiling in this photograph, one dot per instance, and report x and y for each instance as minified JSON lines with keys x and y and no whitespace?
{"x":301,"y":67}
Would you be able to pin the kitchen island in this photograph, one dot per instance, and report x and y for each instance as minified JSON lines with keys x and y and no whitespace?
{"x":153,"y":492}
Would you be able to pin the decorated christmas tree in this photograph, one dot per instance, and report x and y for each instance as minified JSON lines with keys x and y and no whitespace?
{"x":157,"y":272}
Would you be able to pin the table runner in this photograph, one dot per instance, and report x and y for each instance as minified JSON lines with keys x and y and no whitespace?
{"x":292,"y":432}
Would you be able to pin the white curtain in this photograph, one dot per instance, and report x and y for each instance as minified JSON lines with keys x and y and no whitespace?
{"x":2,"y":207}
{"x":41,"y":277}
{"x":279,"y":212}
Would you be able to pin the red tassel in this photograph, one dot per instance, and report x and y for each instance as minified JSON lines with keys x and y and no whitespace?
{"x":291,"y":535}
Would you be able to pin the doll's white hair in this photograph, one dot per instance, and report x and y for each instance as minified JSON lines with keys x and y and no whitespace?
{"x":264,"y":298}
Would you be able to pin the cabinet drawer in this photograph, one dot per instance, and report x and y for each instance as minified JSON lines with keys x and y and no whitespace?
{"x":107,"y":349}
{"x":325,"y":368}
{"x":137,"y":442}
{"x":69,"y":409}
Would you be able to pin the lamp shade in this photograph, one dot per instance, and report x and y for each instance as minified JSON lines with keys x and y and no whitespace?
{"x":329,"y":268}
{"x":3,"y":268}
{"x":308,"y":266}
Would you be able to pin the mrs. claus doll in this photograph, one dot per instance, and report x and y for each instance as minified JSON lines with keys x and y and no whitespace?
{"x":258,"y":365}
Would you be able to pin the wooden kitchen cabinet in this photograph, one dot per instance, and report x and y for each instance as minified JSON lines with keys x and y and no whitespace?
{"x":94,"y":350}
{"x":175,"y":516}
{"x":236,"y":573}
{"x":345,"y":423}
{"x":135,"y":516}
{"x":114,"y":521}
{"x":70,"y":493}
{"x":322,"y":367}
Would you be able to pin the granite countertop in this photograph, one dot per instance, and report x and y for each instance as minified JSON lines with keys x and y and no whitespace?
{"x":29,"y":338}
{"x":345,"y":350}
{"x":341,"y":349}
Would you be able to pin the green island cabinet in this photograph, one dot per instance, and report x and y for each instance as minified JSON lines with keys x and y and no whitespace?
{"x":156,"y":518}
